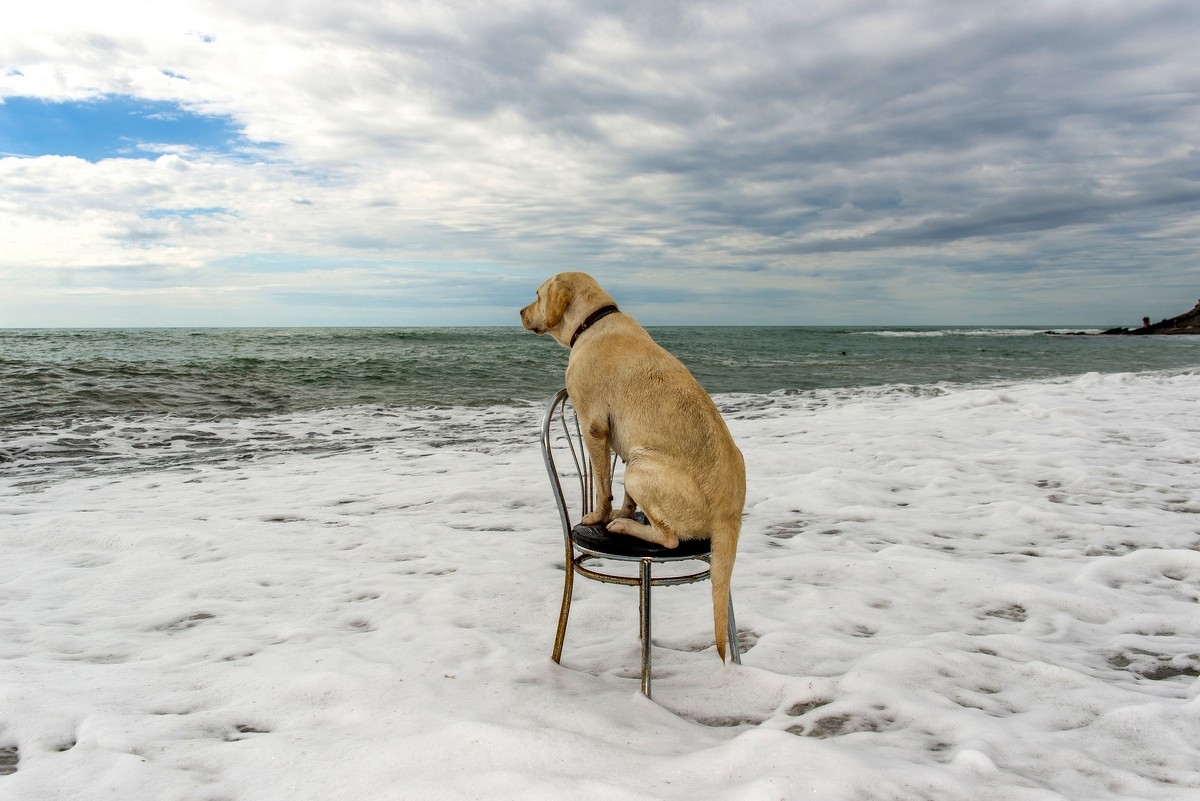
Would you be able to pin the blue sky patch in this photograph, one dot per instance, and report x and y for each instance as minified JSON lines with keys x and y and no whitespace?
{"x":114,"y":126}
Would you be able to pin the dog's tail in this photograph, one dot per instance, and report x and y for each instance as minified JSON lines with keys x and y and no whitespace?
{"x":724,"y":551}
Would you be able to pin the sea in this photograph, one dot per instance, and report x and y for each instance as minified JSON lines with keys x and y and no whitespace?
{"x":306,"y":564}
{"x":85,"y":401}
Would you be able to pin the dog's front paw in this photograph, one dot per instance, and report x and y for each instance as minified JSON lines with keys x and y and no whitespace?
{"x":595,"y":518}
{"x":619,"y":514}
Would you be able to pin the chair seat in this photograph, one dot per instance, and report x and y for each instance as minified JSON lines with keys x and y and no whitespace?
{"x":597,"y":540}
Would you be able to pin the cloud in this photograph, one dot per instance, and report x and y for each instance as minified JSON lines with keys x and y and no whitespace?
{"x":765,"y":153}
{"x":1011,"y":217}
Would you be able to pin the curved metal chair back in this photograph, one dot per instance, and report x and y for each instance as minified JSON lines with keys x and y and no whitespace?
{"x":588,"y":548}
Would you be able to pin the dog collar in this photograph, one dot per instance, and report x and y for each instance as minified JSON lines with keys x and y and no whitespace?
{"x":592,"y":319}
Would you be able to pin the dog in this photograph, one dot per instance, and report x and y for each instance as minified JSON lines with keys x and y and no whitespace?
{"x":634,"y":398}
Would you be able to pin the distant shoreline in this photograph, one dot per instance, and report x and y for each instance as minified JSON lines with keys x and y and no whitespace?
{"x":1186,"y":323}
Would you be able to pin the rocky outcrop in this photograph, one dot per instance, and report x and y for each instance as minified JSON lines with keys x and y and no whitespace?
{"x":1188,"y":323}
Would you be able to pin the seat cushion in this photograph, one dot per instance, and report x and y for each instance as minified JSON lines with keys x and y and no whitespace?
{"x":597,"y":539}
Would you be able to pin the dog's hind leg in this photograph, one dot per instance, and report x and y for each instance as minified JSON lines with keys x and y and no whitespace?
{"x":649,"y":533}
{"x":664,"y":496}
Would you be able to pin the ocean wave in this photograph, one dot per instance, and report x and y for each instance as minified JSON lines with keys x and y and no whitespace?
{"x":63,"y":379}
{"x":34,"y":454}
{"x":975,"y":332}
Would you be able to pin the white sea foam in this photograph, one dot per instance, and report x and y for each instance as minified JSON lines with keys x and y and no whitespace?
{"x":978,"y":332}
{"x":986,"y":593}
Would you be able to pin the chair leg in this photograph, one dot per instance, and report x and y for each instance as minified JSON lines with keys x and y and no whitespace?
{"x":735,"y":650}
{"x":564,"y":610}
{"x":644,"y":608}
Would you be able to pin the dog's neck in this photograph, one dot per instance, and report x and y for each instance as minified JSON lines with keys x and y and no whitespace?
{"x":592,"y":319}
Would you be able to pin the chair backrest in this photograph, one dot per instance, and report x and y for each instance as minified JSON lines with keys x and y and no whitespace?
{"x":567,"y":463}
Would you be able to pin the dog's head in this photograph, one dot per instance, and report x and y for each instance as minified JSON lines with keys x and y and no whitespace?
{"x":563,"y":302}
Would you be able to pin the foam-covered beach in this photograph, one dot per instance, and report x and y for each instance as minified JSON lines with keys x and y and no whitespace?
{"x":978,"y":592}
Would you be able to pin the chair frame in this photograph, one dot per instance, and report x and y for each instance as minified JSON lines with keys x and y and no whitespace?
{"x":578,"y":554}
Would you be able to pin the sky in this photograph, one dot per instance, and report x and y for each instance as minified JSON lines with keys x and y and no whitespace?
{"x":371,"y":162}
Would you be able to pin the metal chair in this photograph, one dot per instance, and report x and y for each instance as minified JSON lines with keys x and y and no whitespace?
{"x":567,"y":458}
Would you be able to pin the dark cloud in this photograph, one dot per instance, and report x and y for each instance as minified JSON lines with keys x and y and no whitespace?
{"x":942,"y":120}
{"x":1013,"y":216}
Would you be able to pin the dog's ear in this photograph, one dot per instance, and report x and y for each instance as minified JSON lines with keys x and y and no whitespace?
{"x":558,"y":298}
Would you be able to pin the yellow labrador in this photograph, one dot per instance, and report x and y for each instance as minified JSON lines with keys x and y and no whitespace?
{"x":636,"y":399}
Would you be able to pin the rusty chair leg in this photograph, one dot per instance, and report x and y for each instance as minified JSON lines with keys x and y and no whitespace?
{"x":565,"y":610}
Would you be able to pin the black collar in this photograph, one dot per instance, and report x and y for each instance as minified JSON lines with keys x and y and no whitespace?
{"x":592,"y":319}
